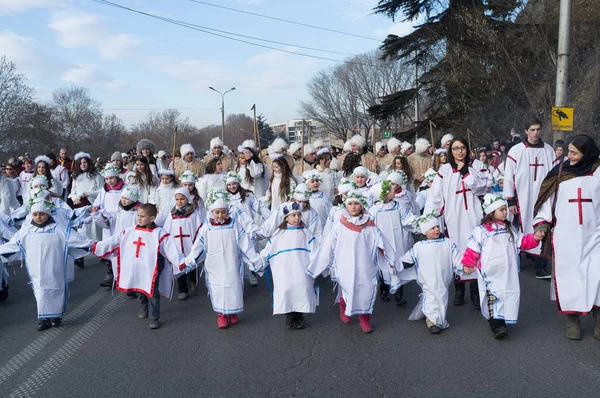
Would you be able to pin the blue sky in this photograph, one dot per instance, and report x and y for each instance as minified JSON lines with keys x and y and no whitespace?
{"x":129,"y":61}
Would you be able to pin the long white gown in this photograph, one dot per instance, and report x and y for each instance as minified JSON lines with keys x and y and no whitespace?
{"x":525,"y":169}
{"x":358,"y":252}
{"x":46,"y":254}
{"x":92,"y":185}
{"x":288,"y":253}
{"x":576,"y":243}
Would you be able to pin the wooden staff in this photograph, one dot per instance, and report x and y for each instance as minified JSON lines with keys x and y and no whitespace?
{"x":302,"y":148}
{"x":255,"y":125}
{"x":174,"y":142}
{"x":431,"y":126}
{"x":469,"y":141}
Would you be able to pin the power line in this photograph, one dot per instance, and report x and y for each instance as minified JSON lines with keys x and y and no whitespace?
{"x":157,"y":109}
{"x":284,"y":20}
{"x":190,"y":26}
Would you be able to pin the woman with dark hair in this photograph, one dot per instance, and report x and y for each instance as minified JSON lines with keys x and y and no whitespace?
{"x":351,"y":161}
{"x":455,"y":196}
{"x":251,"y":169}
{"x":281,"y":184}
{"x":568,"y":200}
{"x":147,"y":149}
{"x":400,"y":163}
{"x":328,"y":177}
{"x":143,"y":178}
{"x":213,"y":176}
{"x":42,"y":168}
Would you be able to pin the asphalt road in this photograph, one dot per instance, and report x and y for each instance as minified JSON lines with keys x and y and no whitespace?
{"x":103,"y":349}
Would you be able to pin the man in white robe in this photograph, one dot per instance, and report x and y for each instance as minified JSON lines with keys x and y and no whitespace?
{"x":527,"y":164}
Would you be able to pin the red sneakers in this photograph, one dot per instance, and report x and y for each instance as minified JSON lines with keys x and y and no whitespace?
{"x":222,"y":321}
{"x":345,"y":318}
{"x":363,"y":321}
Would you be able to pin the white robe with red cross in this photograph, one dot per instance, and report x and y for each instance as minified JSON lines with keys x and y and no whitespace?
{"x":576,"y":243}
{"x":136,"y":250}
{"x":456,"y":198}
{"x":526,"y":167}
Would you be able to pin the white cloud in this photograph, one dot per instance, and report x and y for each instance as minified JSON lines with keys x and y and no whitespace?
{"x":357,"y":9}
{"x":78,"y":29}
{"x":89,"y":74}
{"x":11,"y":7}
{"x":24,"y":52}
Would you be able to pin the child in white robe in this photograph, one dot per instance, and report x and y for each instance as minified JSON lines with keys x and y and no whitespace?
{"x":166,"y":189}
{"x":493,"y":250}
{"x":358,"y":252}
{"x":395,"y":221}
{"x":318,"y":200}
{"x":338,"y":206}
{"x":7,"y":231}
{"x":435,"y":260}
{"x":360,"y":176}
{"x":183,"y":222}
{"x":44,"y":245}
{"x":224,"y":245}
{"x":251,"y":206}
{"x":288,"y":253}
{"x":425,"y":189}
{"x":141,"y":252}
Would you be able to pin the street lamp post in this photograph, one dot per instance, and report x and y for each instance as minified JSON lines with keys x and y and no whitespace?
{"x":222,"y":110}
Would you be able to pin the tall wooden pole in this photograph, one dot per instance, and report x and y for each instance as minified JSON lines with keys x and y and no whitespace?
{"x":431,"y":126}
{"x":256,"y":137}
{"x":302,"y":148}
{"x":174,"y":141}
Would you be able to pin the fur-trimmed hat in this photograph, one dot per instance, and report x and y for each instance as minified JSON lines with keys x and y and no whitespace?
{"x":308,"y":149}
{"x":378,"y":146}
{"x":294,"y":146}
{"x":446,"y":138}
{"x":322,"y":151}
{"x":216,"y":142}
{"x":81,"y":155}
{"x":361,"y":170}
{"x":42,"y":158}
{"x":347,"y":146}
{"x":166,"y":172}
{"x":440,"y":151}
{"x":145,"y":143}
{"x":288,"y":208}
{"x":249,"y":144}
{"x":393,"y":144}
{"x":185,"y":149}
{"x":421,"y":145}
{"x":319,"y":143}
{"x":161,"y":154}
{"x":405,"y":146}
{"x":358,"y":140}
{"x":279,"y":145}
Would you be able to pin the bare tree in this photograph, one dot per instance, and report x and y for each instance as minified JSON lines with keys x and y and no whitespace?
{"x":160,"y":127}
{"x":341,"y":96}
{"x":15,"y":97}
{"x":78,"y":115}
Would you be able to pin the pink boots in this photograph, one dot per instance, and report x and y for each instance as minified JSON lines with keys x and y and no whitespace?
{"x":345,"y":318}
{"x":363,"y":320}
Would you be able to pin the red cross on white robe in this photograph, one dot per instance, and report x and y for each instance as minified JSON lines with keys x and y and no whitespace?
{"x":181,"y":236}
{"x":464,"y":193}
{"x":535,"y":165}
{"x":579,"y":200}
{"x":138,"y":243}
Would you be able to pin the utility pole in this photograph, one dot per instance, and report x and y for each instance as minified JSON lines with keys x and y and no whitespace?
{"x":562,"y":64}
{"x":417,"y":95}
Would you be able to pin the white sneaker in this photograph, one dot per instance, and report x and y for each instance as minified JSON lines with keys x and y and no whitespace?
{"x":253,"y":280}
{"x":182,"y":296}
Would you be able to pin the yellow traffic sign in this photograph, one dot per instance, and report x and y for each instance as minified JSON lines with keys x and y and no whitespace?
{"x":562,"y":119}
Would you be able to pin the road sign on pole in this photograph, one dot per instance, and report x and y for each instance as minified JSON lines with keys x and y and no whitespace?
{"x":562,"y":119}
{"x":386,"y":134}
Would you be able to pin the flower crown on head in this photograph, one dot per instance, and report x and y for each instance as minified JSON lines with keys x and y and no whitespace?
{"x":354,"y":195}
{"x":216,"y":194}
{"x":110,"y":168}
{"x":385,"y":189}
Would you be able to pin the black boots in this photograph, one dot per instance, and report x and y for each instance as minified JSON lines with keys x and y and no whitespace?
{"x":384,"y":291}
{"x":474,"y":290}
{"x":43,"y":324}
{"x":498,"y":327}
{"x":459,"y":292}
{"x":79,"y":262}
{"x":399,"y":296}
{"x":294,"y":320}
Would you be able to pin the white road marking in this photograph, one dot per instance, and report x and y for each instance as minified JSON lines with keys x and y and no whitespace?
{"x":36,"y":381}
{"x":38,"y":344}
